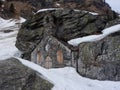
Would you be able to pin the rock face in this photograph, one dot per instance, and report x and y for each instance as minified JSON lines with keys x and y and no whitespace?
{"x":15,"y":76}
{"x":100,"y":60}
{"x":64,"y":24}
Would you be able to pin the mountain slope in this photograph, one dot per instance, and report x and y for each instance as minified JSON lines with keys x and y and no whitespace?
{"x":27,"y":8}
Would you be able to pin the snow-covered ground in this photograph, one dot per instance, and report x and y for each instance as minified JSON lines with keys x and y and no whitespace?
{"x":63,"y":78}
{"x":7,"y":39}
{"x":68,"y":79}
{"x":10,"y":23}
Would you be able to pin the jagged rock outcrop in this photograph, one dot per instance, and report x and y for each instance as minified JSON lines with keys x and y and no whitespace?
{"x":101,"y":59}
{"x":16,"y":76}
{"x":64,"y":24}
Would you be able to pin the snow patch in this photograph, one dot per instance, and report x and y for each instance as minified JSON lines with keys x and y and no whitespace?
{"x":68,"y":79}
{"x":92,"y":38}
{"x":21,"y":20}
{"x":57,"y":4}
{"x":11,"y":22}
{"x":48,"y":9}
{"x":7,"y":40}
{"x":93,"y":13}
{"x":7,"y":48}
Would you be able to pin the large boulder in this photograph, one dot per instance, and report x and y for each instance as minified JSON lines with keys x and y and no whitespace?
{"x":101,"y":59}
{"x":64,"y":24}
{"x":15,"y":76}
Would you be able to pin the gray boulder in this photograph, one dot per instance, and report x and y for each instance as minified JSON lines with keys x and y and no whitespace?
{"x":100,"y":60}
{"x":16,"y":76}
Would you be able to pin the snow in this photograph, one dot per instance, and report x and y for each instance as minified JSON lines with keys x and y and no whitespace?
{"x":92,"y":38}
{"x":57,"y":4}
{"x":63,"y":78}
{"x":93,"y":13}
{"x":7,"y":48}
{"x":6,"y":23}
{"x":50,"y":9}
{"x":7,"y":40}
{"x":21,"y":20}
{"x":11,"y":22}
{"x":68,"y":79}
{"x":112,"y":29}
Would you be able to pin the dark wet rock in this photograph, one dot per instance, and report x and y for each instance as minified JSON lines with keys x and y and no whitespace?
{"x":100,"y":60}
{"x":16,"y":76}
